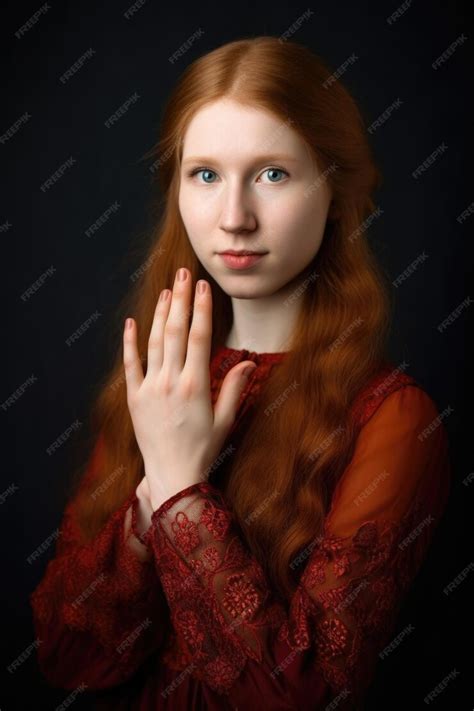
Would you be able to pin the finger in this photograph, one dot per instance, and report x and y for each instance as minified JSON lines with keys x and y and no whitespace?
{"x":131,"y":359}
{"x":176,"y":328}
{"x":156,"y":339}
{"x":199,"y":339}
{"x":227,"y":403}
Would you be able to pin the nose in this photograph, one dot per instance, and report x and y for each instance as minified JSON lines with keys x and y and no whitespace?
{"x":237,"y":214}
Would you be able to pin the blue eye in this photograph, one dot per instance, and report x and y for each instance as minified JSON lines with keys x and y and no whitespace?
{"x":275,"y":170}
{"x":202,"y":170}
{"x":194,"y":172}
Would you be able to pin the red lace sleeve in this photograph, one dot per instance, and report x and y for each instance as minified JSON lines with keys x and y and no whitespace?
{"x":97,"y":608}
{"x":323,"y":646}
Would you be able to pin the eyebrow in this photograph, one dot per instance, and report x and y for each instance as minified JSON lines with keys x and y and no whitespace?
{"x":267,"y":158}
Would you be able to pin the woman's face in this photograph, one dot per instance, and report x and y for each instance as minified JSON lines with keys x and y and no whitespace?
{"x":256,"y":188}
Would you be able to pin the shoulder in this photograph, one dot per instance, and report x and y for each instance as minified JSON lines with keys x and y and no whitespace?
{"x":392,"y":393}
{"x":401,"y":456}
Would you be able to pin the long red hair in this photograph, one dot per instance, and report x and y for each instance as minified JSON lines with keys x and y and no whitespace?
{"x":341,"y":335}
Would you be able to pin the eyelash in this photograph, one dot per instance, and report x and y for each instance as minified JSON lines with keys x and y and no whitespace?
{"x":194,"y":171}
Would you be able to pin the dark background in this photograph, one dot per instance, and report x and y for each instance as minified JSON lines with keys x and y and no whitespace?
{"x":92,"y":273}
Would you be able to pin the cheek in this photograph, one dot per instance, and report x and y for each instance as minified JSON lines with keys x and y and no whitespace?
{"x":198,"y":209}
{"x":300,"y":229}
{"x":297,"y":217}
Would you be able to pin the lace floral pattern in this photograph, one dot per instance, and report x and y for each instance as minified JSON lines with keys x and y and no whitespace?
{"x":202,"y":604}
{"x":223,"y":612}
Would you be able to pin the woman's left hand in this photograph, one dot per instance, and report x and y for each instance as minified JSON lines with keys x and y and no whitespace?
{"x":177,"y":430}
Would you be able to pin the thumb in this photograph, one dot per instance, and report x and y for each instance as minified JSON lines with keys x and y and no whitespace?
{"x":230,"y":392}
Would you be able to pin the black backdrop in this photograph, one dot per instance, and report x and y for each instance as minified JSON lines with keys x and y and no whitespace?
{"x":49,"y":120}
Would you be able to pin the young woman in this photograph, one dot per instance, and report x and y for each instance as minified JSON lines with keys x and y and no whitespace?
{"x":241,"y":539}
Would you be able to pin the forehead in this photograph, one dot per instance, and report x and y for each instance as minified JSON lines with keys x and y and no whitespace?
{"x":231,"y":132}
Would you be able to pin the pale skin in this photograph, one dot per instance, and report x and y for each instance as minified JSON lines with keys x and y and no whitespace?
{"x":178,"y":430}
{"x":249,"y":181}
{"x":241,"y":207}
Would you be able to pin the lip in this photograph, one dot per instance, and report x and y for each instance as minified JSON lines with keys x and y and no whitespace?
{"x":240,"y":252}
{"x":241,"y":261}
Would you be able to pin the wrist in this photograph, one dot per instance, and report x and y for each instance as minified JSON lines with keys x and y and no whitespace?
{"x":166,"y":500}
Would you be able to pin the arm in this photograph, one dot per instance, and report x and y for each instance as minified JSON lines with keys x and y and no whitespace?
{"x":325,"y":644}
{"x":99,"y":608}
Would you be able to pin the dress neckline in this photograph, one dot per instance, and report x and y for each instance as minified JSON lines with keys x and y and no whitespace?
{"x":244,"y":354}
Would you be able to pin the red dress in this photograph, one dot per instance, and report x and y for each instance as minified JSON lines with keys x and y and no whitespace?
{"x":226,"y":641}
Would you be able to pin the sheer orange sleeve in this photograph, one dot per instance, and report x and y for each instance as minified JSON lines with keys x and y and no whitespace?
{"x":383,"y":514}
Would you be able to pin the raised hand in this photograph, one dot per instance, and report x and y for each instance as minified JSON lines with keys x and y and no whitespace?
{"x":178,"y":431}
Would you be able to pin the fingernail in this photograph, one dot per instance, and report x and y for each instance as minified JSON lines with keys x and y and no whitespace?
{"x":182,"y":273}
{"x":201,"y":287}
{"x":248,"y":370}
{"x":128,"y":323}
